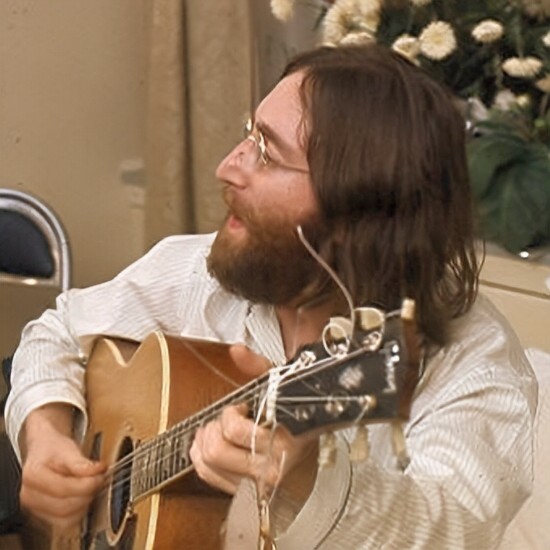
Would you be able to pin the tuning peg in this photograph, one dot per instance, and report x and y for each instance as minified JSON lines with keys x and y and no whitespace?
{"x":369,"y":327}
{"x":327,"y":450}
{"x":359,"y":448}
{"x":399,"y":445}
{"x":336,"y":336}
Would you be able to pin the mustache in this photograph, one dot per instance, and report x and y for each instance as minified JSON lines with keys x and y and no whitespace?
{"x":266,"y":224}
{"x":236,"y":208}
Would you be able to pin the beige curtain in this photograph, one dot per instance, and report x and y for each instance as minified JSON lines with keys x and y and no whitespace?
{"x":198,"y":89}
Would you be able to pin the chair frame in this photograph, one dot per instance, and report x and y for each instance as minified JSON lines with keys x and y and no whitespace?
{"x":54,"y":232}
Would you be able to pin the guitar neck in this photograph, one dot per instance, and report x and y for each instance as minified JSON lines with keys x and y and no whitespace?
{"x":161,"y":460}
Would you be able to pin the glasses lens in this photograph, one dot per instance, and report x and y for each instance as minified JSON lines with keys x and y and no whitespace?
{"x":247,"y":129}
{"x":257,"y":138}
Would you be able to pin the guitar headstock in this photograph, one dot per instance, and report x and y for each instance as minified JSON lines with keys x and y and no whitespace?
{"x":353,"y":377}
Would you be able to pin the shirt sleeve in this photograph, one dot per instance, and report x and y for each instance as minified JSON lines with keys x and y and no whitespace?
{"x":470,"y":443}
{"x":49,"y":364}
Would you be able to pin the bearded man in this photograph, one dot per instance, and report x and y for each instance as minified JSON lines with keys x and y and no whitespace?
{"x":365,"y":153}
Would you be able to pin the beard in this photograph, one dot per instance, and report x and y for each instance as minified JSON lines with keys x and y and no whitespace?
{"x":269,"y":265}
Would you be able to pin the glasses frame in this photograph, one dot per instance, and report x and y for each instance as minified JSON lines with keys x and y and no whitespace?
{"x":252,"y":133}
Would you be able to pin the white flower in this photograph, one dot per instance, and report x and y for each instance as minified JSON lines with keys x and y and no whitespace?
{"x":437,"y":40}
{"x":546,"y":39}
{"x":476,"y":110}
{"x":488,"y":31}
{"x":408,"y":46}
{"x":504,"y":100}
{"x":523,"y":100}
{"x":350,"y":16}
{"x":282,"y":9}
{"x":543,"y":84}
{"x":522,"y":67}
{"x":357,"y":38}
{"x":420,"y":3}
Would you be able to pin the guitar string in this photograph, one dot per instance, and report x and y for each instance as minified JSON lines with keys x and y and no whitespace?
{"x":152,"y":483}
{"x":243,"y":393}
{"x":187,"y":427}
{"x":246,"y":393}
{"x":184,"y":428}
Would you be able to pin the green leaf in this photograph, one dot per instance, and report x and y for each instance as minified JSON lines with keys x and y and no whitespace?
{"x":487,"y":155}
{"x":515,"y":211}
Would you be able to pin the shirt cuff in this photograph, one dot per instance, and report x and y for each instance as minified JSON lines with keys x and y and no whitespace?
{"x":17,"y":409}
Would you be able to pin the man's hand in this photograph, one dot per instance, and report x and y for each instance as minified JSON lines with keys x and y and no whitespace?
{"x":232,"y":447}
{"x":58,"y":482}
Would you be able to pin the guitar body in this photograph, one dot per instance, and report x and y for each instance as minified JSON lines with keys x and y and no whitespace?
{"x":135,"y":393}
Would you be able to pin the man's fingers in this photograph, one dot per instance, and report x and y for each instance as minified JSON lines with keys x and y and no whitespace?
{"x":61,"y":500}
{"x":65,"y":458}
{"x":63,"y":513}
{"x":58,"y":481}
{"x":235,"y":428}
{"x":201,"y":453}
{"x":85,"y":468}
{"x":221,"y":462}
{"x":54,"y":484}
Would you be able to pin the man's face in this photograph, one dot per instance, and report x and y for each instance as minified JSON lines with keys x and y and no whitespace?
{"x":268,"y":192}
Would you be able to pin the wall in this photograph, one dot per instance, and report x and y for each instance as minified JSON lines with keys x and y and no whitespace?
{"x":521,"y":290}
{"x":72,"y":97}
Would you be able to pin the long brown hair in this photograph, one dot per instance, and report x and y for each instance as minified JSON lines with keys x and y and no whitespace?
{"x":386,"y":152}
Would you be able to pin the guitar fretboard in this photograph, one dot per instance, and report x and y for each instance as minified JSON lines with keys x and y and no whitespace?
{"x":161,"y":460}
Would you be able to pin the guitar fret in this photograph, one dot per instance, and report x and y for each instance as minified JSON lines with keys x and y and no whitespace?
{"x":157,"y":464}
{"x":136,"y":481}
{"x":166,"y":469}
{"x":150,"y":468}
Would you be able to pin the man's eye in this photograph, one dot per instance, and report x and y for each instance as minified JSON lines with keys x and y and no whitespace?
{"x":262,"y":146}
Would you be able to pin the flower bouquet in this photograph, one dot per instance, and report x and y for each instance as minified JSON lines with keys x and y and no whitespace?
{"x":495,"y":56}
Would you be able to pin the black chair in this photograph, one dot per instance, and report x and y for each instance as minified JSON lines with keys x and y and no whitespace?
{"x":34,"y":251}
{"x":34,"y":248}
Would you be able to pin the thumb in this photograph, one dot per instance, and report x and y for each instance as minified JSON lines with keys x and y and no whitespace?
{"x":83,"y":467}
{"x":76,"y":464}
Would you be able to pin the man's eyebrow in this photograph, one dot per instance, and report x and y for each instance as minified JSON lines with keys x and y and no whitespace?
{"x":273,"y":137}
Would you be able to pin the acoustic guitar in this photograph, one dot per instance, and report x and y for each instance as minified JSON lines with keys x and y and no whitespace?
{"x":146,"y":402}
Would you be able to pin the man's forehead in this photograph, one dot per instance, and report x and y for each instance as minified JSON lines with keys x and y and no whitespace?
{"x":284,"y":96}
{"x":281,"y":113}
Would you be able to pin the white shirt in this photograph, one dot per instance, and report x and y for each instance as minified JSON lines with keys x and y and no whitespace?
{"x":469,"y":434}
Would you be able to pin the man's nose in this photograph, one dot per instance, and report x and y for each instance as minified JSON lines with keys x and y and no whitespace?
{"x":240,"y":161}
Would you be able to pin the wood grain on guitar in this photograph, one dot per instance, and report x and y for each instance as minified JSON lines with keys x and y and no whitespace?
{"x":146,"y":403}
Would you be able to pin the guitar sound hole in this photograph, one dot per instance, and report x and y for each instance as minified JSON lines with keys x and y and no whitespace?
{"x":121,"y":486}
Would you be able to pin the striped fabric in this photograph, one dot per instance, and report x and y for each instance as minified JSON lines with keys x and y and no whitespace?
{"x":529,"y":530}
{"x":469,"y":435}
